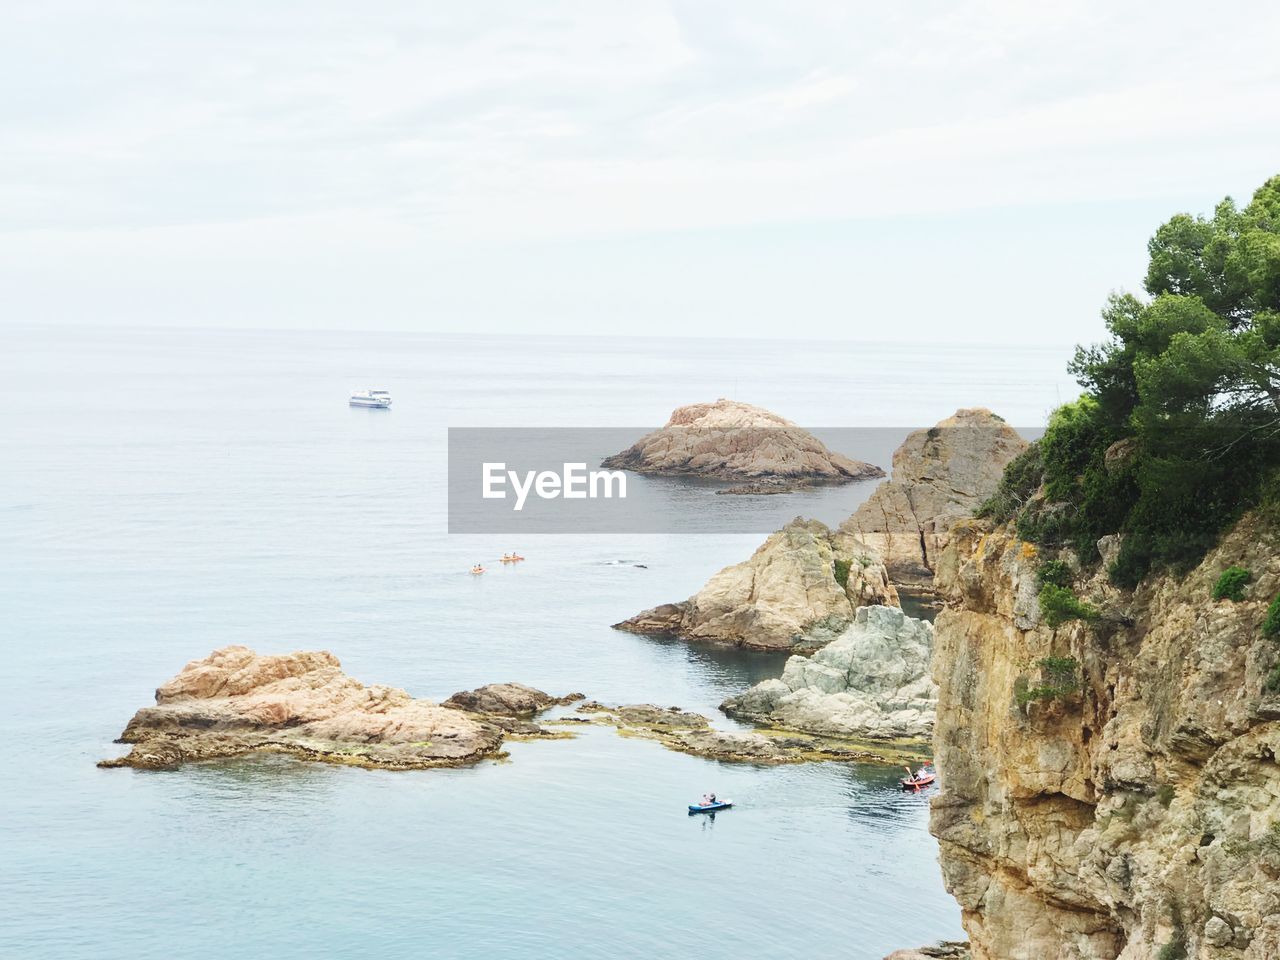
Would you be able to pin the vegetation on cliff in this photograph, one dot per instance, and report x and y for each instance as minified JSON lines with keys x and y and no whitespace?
{"x":1231,"y":584}
{"x":1059,"y":678}
{"x":1178,"y":430}
{"x":1060,"y":604}
{"x":1271,"y":625}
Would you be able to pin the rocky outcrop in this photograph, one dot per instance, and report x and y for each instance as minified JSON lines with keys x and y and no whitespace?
{"x":235,"y":701}
{"x":507,"y":700}
{"x":728,"y":440}
{"x":1109,"y":790}
{"x":871,"y":682}
{"x":940,"y":475}
{"x":785,"y":596}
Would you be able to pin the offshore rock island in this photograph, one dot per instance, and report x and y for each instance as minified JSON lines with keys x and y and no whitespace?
{"x":728,"y":440}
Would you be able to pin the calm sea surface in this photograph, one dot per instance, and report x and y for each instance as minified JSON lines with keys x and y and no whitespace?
{"x":166,"y":493}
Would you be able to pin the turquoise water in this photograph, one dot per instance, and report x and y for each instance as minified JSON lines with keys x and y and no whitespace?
{"x":165,"y":493}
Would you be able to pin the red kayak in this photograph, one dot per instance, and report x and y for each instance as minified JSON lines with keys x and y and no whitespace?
{"x":917,"y":782}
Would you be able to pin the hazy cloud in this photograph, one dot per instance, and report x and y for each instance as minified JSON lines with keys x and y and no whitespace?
{"x":424,"y":148}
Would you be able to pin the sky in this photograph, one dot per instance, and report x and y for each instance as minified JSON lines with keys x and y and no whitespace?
{"x":958,"y":171}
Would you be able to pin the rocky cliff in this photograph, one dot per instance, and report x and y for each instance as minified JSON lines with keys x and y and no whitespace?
{"x":871,"y":682}
{"x":1109,"y":786}
{"x":940,"y":475}
{"x":729,"y":440}
{"x":785,"y":596}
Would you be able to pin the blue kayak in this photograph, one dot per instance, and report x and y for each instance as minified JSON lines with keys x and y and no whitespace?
{"x":710,"y":807}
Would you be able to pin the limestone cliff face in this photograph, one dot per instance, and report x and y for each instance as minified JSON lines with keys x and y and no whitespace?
{"x":940,"y":475}
{"x":1137,"y":816}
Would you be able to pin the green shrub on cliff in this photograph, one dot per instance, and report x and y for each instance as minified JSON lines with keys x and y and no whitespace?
{"x":1059,"y":678}
{"x":1231,"y":584}
{"x":1178,"y":431}
{"x":1272,"y":683}
{"x":1059,"y":605}
{"x":1055,"y":572}
{"x":842,"y":568}
{"x":1021,"y":479}
{"x":1271,"y":622}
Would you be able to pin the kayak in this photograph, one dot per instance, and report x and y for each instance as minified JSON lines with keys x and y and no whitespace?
{"x":918,"y":782}
{"x":710,"y":807}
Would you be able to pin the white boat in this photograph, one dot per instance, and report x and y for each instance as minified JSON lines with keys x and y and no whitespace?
{"x":370,"y":398}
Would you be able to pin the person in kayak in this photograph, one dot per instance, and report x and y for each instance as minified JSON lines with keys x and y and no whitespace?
{"x":708,"y":799}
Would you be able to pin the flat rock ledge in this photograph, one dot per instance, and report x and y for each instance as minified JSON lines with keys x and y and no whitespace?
{"x":235,"y":702}
{"x":728,"y":440}
{"x":872,"y":682}
{"x":687,"y":732}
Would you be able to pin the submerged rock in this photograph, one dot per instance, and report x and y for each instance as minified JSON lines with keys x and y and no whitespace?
{"x":729,"y":440}
{"x":785,"y":596}
{"x":940,"y":476}
{"x":236,"y":701}
{"x":767,"y":487}
{"x":871,"y":682}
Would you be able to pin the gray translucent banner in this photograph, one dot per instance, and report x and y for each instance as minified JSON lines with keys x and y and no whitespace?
{"x":523,"y":481}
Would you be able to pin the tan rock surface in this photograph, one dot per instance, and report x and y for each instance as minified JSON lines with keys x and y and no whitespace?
{"x":940,"y":475}
{"x":785,"y":596}
{"x":235,"y":701}
{"x":1137,"y":817}
{"x":737,"y":441}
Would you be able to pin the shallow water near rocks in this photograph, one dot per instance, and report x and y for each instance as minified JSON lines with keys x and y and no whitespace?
{"x":166,"y":493}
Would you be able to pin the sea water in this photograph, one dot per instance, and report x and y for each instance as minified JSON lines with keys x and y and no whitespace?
{"x":167,"y":492}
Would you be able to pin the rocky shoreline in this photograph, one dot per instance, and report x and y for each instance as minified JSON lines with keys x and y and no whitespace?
{"x":237,"y":702}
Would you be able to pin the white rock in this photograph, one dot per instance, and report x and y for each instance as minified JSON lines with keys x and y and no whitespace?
{"x":872,"y":681}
